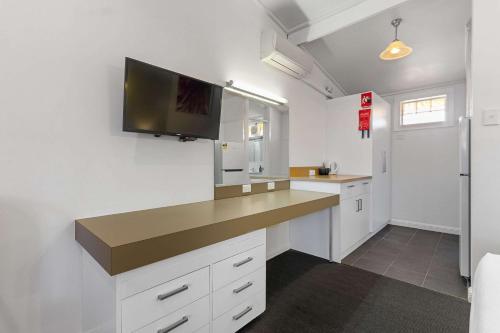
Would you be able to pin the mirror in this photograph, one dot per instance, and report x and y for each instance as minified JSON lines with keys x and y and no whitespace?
{"x":253,"y":142}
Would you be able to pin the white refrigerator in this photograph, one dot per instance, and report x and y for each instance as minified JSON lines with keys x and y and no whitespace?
{"x":231,"y":163}
{"x":464,"y":188}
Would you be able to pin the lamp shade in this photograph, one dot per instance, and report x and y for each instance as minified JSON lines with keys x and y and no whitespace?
{"x":395,"y":50}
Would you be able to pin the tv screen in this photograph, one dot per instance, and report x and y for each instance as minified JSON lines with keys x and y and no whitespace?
{"x":159,"y":101}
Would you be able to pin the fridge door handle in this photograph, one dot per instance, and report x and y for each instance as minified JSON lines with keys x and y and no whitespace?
{"x":384,"y":161}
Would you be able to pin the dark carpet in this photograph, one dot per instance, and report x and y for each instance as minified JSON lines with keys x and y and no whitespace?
{"x":308,"y":294}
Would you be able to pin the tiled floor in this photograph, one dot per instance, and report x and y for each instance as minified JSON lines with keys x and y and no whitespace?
{"x":424,"y":258}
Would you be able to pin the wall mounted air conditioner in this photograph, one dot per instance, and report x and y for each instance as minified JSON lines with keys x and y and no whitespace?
{"x":282,"y":54}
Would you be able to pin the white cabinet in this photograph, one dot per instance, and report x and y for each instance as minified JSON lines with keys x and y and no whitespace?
{"x":185,"y":320}
{"x":143,"y":308}
{"x":218,"y":288}
{"x":237,"y":266}
{"x":241,"y":314}
{"x":355,"y":221}
{"x":238,"y":291}
{"x":351,"y":220}
{"x":363,"y":156}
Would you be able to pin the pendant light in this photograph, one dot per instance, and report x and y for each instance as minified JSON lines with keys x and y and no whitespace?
{"x":396,"y":49}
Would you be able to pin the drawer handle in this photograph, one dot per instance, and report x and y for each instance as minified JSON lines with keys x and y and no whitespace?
{"x":243,"y":287}
{"x":164,"y":296}
{"x":366,"y":183}
{"x":242,"y":313}
{"x":350,"y":186}
{"x":245,"y":261}
{"x":173,"y":326}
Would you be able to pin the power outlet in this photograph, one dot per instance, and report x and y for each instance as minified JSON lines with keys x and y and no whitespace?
{"x":312,"y":172}
{"x":491,"y":117}
{"x":270,"y":186}
{"x":247,"y":188}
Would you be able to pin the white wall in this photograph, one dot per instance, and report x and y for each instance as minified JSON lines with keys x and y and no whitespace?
{"x":425,"y":172}
{"x":485,"y":147}
{"x":343,"y":138}
{"x":62,"y":152}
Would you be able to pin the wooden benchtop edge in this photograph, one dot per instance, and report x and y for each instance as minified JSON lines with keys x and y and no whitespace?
{"x":340,"y":179}
{"x":122,"y":257}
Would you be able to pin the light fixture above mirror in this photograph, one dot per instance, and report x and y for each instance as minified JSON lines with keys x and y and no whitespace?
{"x":240,"y":89}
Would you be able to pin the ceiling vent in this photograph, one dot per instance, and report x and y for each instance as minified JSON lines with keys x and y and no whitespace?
{"x":287,"y":57}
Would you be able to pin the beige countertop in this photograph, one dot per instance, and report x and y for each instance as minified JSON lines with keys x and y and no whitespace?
{"x":122,"y":242}
{"x":331,"y":178}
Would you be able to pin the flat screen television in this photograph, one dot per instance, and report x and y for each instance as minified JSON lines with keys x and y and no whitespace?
{"x":159,"y":101}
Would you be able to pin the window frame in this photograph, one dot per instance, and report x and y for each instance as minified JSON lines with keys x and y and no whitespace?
{"x":449,"y":121}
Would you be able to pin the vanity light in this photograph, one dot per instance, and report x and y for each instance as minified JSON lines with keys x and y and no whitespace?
{"x":263,"y":97}
{"x":396,"y":49}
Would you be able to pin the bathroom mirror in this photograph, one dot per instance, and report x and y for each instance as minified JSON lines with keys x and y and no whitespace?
{"x":253,"y":142}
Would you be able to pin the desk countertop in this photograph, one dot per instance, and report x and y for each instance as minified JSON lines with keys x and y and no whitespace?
{"x":331,"y":178}
{"x":125,"y":241}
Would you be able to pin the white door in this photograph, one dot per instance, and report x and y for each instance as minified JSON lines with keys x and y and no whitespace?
{"x":464,"y":194}
{"x":381,"y":168}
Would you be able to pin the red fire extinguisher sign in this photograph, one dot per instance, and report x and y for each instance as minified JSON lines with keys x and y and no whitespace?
{"x":364,"y":122}
{"x":366,"y":99}
{"x":364,"y":119}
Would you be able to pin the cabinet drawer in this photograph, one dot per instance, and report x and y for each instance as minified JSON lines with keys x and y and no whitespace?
{"x":241,"y":314}
{"x":186,"y":320}
{"x":236,"y":292}
{"x":150,"y":305}
{"x":365,"y":186}
{"x":349,"y":190}
{"x":235,"y":267}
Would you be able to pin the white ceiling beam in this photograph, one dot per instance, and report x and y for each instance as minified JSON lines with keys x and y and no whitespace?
{"x":340,"y":20}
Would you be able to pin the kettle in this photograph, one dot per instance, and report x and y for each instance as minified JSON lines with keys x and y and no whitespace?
{"x":334,"y":168}
{"x":328,"y":169}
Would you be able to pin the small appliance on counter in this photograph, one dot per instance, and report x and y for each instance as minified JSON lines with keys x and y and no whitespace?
{"x":334,"y":168}
{"x":330,"y":170}
{"x":323,"y":171}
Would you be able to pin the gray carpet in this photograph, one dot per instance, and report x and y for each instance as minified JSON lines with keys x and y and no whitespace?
{"x":308,"y":294}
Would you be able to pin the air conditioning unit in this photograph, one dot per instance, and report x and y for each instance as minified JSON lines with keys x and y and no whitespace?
{"x":282,"y":54}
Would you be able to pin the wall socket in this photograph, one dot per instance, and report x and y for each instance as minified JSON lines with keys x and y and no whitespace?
{"x":312,"y":172}
{"x":491,"y":117}
{"x":247,"y":188}
{"x":270,"y":186}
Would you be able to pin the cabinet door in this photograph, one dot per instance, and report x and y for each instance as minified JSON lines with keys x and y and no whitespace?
{"x":364,"y":216}
{"x":355,"y":222}
{"x":349,"y":220}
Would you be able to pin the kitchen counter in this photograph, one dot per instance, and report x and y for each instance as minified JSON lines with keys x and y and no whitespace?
{"x":339,"y":179}
{"x":125,"y":241}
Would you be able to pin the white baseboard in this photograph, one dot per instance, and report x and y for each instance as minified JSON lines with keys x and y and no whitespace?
{"x":376,"y":230}
{"x":271,"y":253}
{"x":425,"y":226}
{"x":362,"y":241}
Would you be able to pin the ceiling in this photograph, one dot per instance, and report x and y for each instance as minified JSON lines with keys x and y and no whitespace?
{"x":296,"y":14}
{"x":434,"y":28}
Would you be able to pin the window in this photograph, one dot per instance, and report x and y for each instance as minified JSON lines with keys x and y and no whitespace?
{"x":427,"y":110}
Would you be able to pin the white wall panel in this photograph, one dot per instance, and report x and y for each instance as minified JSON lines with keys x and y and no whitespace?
{"x":62,"y":152}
